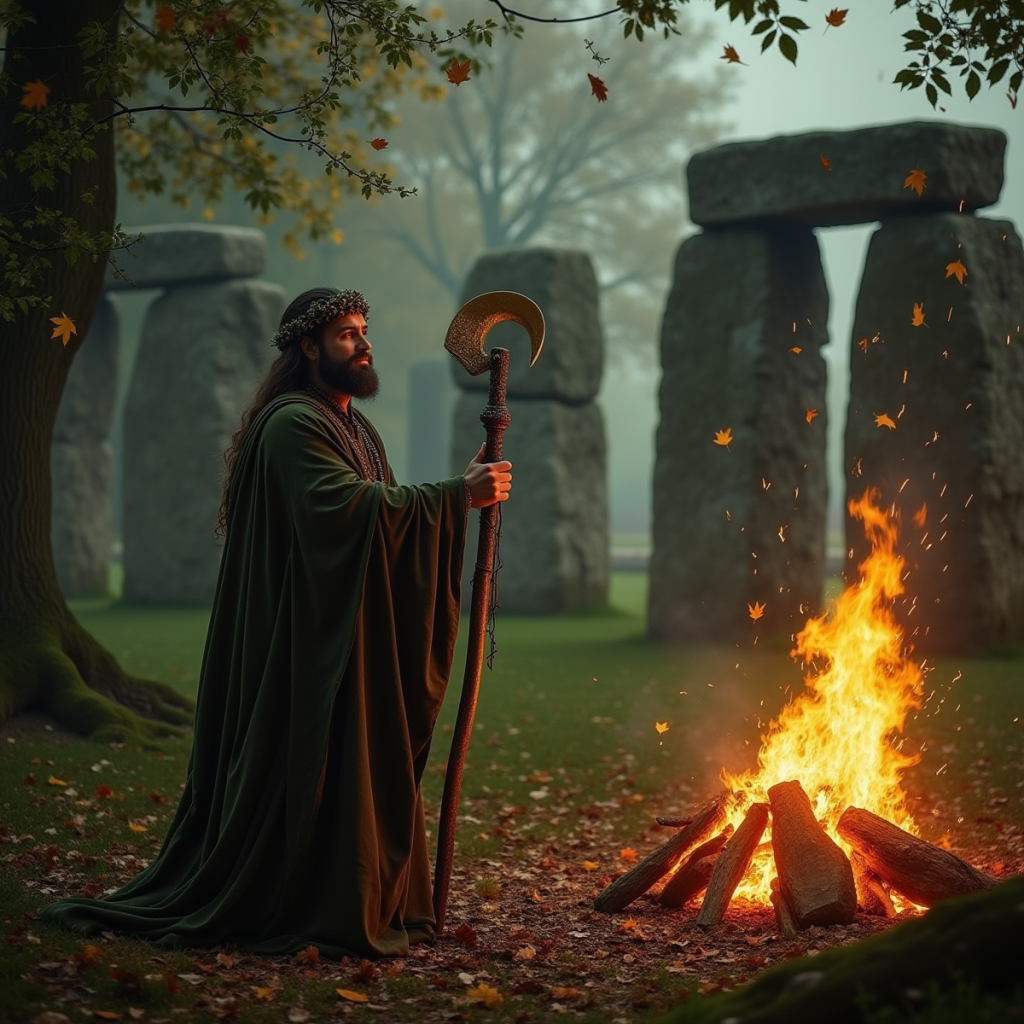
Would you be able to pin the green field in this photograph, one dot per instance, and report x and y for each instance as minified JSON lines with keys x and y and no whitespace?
{"x":568,"y":711}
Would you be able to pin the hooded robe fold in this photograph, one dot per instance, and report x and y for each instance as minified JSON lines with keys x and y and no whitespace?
{"x":328,"y":654}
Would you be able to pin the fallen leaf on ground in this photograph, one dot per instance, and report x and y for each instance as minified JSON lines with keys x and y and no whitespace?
{"x":526,"y":953}
{"x":884,"y":420}
{"x":298,"y":1015}
{"x":35,"y":95}
{"x":225,"y":961}
{"x":137,"y":827}
{"x":485,"y":996}
{"x":263,"y":995}
{"x":629,"y":854}
{"x":104,"y":792}
{"x":466,"y":935}
{"x":54,"y":781}
{"x":756,"y":610}
{"x":458,"y":71}
{"x":916,"y":179}
{"x":590,"y":865}
{"x":352,"y":997}
{"x":106,"y":1015}
{"x":558,"y":994}
{"x":956,"y":269}
{"x":309,"y":955}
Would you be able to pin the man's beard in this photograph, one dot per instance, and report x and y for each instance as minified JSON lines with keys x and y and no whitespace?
{"x":357,"y":381}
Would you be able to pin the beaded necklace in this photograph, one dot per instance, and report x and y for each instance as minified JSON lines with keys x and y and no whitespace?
{"x":370,"y":461}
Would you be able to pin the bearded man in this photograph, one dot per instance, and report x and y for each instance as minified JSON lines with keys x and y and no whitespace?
{"x":328,"y":655}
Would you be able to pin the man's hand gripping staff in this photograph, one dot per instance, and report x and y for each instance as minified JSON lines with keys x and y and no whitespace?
{"x":487,"y":482}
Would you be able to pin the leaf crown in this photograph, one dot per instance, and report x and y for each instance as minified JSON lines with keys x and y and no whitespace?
{"x":319,"y":313}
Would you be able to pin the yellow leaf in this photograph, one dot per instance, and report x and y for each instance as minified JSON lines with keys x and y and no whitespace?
{"x":884,"y":421}
{"x":810,"y":414}
{"x":956,"y":269}
{"x":724,"y":437}
{"x":54,"y":781}
{"x":486,"y":996}
{"x":628,"y":855}
{"x":263,"y":995}
{"x":796,"y":350}
{"x":64,"y":327}
{"x":590,"y":865}
{"x":916,"y":180}
{"x":136,"y":826}
{"x":352,"y":997}
{"x":661,"y":726}
{"x":917,"y":319}
{"x":35,"y":96}
{"x":755,"y":610}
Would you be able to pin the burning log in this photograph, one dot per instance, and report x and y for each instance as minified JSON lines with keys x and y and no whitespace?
{"x":872,"y":895}
{"x":923,"y":873}
{"x":732,"y":864}
{"x":639,"y":879}
{"x":671,"y":821}
{"x":692,"y":877}
{"x":815,"y":876}
{"x":783,"y":914}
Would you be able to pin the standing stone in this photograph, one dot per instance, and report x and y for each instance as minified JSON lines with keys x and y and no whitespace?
{"x":954,"y":388}
{"x":431,"y":397}
{"x":783,"y":179}
{"x":745,"y":523}
{"x":554,"y":527}
{"x":82,"y":460}
{"x":203,"y":349}
{"x":562,"y":282}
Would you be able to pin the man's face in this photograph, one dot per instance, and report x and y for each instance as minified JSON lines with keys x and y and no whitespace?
{"x":345,"y":362}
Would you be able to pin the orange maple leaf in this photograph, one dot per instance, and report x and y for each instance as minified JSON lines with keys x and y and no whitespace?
{"x":917,"y":320}
{"x":35,"y":95}
{"x":796,"y":350}
{"x":916,"y":180}
{"x":379,"y":143}
{"x":104,"y":792}
{"x":263,"y":995}
{"x":662,"y":727}
{"x":825,"y":162}
{"x":458,"y":71}
{"x":309,"y":955}
{"x":590,"y":865}
{"x":921,"y":515}
{"x":730,"y":55}
{"x":836,"y":17}
{"x":485,"y":995}
{"x":755,"y":610}
{"x":163,"y":18}
{"x":598,"y":88}
{"x":810,"y":414}
{"x":352,"y":997}
{"x":628,"y":854}
{"x":884,"y":420}
{"x":956,"y":269}
{"x":724,"y":437}
{"x":226,"y":961}
{"x":64,"y":327}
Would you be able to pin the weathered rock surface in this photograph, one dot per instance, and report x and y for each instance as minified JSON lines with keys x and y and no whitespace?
{"x":82,"y":460}
{"x":202,"y":351}
{"x":783,"y":178}
{"x":746,"y":523}
{"x":173,"y":253}
{"x":563,"y":284}
{"x":431,"y":397}
{"x":954,"y":388}
{"x":554,"y":530}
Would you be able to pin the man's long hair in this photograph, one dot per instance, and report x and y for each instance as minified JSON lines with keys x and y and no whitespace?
{"x":288,"y":372}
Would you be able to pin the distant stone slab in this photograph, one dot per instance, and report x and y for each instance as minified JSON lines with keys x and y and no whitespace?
{"x":784,"y":178}
{"x":554,"y":527}
{"x":175,"y":253}
{"x":950,"y":455}
{"x":745,"y":523}
{"x":562,"y":282}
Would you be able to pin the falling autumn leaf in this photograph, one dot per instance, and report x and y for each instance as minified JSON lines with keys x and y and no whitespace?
{"x":590,"y":865}
{"x":598,"y":88}
{"x":724,"y":437}
{"x":661,"y":726}
{"x":263,"y":995}
{"x":917,"y":319}
{"x":163,"y":18}
{"x":628,"y":855}
{"x":379,"y":143}
{"x":836,"y":17}
{"x":730,"y":55}
{"x":755,"y":610}
{"x":826,"y":163}
{"x":136,"y":826}
{"x":916,"y":180}
{"x":54,"y":781}
{"x":485,"y":996}
{"x":35,"y":95}
{"x":309,"y":955}
{"x":352,"y":997}
{"x":810,"y":414}
{"x":458,"y":71}
{"x":884,"y":420}
{"x":64,"y":327}
{"x":956,"y":269}
{"x":921,"y":515}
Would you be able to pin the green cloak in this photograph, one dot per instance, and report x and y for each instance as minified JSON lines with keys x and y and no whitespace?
{"x":328,"y":655}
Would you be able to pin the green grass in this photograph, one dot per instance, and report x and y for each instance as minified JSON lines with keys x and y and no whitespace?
{"x":566,"y":721}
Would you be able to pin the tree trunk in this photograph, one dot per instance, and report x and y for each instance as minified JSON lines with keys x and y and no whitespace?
{"x":47,"y":660}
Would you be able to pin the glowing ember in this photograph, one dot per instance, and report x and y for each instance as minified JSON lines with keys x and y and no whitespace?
{"x":838,"y":737}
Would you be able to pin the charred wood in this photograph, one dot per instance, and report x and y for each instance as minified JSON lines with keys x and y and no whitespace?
{"x":693,"y":875}
{"x":732,"y":864}
{"x":783,"y":914}
{"x":872,"y":895}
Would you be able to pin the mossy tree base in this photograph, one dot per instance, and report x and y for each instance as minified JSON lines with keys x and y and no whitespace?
{"x":973,"y":941}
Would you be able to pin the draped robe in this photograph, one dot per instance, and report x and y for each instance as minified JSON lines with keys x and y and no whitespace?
{"x":328,"y":654}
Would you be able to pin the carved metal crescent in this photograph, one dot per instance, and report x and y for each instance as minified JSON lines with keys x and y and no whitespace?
{"x":469,"y":327}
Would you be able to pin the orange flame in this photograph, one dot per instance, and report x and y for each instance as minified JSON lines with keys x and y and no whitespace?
{"x":838,"y":737}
